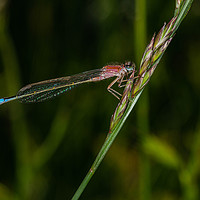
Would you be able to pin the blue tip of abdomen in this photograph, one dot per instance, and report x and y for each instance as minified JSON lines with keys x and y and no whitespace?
{"x":2,"y":101}
{"x":5,"y":100}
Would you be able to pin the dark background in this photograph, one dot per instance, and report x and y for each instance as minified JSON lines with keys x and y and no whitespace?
{"x":47,"y":148}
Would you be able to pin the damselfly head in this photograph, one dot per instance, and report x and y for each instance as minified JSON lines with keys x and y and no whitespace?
{"x":129,"y":66}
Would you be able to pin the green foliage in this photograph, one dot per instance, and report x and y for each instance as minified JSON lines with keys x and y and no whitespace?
{"x":47,"y":148}
{"x":161,"y":152}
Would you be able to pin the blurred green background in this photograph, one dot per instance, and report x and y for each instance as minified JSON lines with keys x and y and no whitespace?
{"x":47,"y":148}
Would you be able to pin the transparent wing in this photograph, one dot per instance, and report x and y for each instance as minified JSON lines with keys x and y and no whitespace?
{"x":41,"y":91}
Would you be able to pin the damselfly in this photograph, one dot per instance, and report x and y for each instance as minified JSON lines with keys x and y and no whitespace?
{"x":41,"y":91}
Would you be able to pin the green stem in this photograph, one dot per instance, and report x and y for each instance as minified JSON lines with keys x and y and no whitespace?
{"x":140,"y":35}
{"x":18,"y":122}
{"x":106,"y":146}
{"x":112,"y":135}
{"x":52,"y":141}
{"x":183,"y":12}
